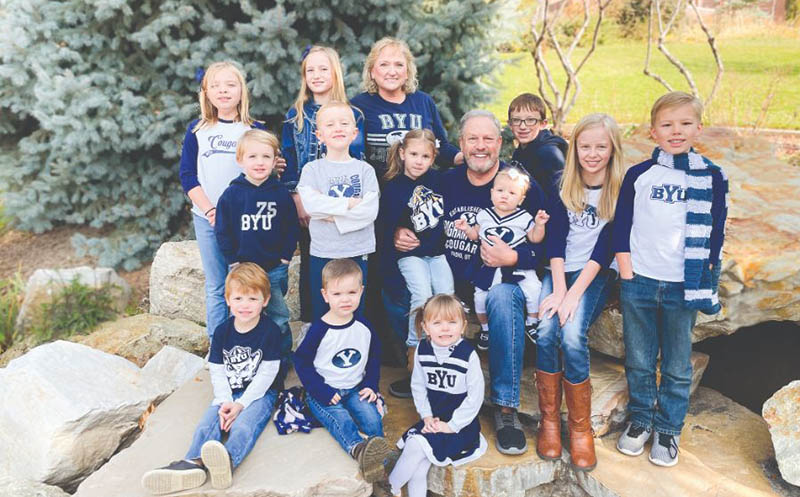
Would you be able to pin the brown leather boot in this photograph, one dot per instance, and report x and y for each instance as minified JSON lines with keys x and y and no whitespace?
{"x":411,"y":354}
{"x":581,"y":436}
{"x":548,"y":441}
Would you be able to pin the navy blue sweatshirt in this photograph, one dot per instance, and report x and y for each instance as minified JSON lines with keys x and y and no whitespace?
{"x":387,"y":122}
{"x":256,"y":223}
{"x":543,"y":158}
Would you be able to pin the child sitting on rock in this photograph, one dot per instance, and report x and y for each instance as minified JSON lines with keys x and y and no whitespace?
{"x":338,"y":363}
{"x":244,"y":361}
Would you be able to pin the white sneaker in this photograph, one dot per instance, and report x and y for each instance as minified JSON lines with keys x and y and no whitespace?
{"x":632,"y":441}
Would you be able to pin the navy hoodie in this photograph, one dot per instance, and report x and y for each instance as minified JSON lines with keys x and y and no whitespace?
{"x":256,"y":223}
{"x":543,"y":158}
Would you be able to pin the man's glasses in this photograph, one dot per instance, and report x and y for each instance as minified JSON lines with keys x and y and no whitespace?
{"x":529,"y":122}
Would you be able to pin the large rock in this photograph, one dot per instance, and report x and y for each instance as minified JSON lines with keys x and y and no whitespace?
{"x":177,"y":282}
{"x":138,"y":338}
{"x":68,"y":407}
{"x":12,"y":487}
{"x":609,"y":390}
{"x":297,"y":465}
{"x":782,"y":414}
{"x":46,"y":284}
{"x":760,"y":275}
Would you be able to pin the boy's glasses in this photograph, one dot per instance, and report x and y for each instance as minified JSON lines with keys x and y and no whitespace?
{"x":529,"y":122}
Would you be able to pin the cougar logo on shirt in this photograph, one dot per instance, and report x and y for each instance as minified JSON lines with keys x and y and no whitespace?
{"x":346,"y":358}
{"x":426,"y":208}
{"x":469,"y":217}
{"x":501,"y":232}
{"x":344,"y":186}
{"x":240,"y":364}
{"x":587,"y":219}
{"x":668,"y":193}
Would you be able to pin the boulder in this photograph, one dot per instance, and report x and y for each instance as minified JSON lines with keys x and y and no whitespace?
{"x":782,"y":414}
{"x":45,"y":284}
{"x":609,"y":390}
{"x":138,"y":338}
{"x":297,"y":465}
{"x":170,"y":368}
{"x":13,"y":487}
{"x":67,"y":409}
{"x":177,"y":282}
{"x":760,"y":276}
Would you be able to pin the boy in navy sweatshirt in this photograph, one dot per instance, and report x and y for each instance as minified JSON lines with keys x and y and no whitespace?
{"x":338,"y":363}
{"x":668,"y":233}
{"x":538,"y":151}
{"x":257,"y":221}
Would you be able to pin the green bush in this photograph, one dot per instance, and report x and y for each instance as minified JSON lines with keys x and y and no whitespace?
{"x":96,"y":94}
{"x":11,"y":294}
{"x":76,"y":309}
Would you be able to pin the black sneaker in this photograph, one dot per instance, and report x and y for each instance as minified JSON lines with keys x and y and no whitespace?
{"x":510,"y":437}
{"x":401,"y":388}
{"x":177,"y":476}
{"x":483,"y":340}
{"x":532,"y":331}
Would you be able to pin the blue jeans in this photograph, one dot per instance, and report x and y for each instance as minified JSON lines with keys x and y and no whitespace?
{"x":243,"y":433}
{"x":277,"y":310}
{"x":571,"y":338}
{"x":345,"y":419}
{"x":425,"y":277}
{"x":215,"y":269}
{"x":318,"y":304}
{"x":654,"y":317}
{"x":397,"y":310}
{"x":505,"y":306}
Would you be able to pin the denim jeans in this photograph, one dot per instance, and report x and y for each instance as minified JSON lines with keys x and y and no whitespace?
{"x":243,"y":433}
{"x":505,"y":306}
{"x":654,"y":317}
{"x":215,"y":269}
{"x":571,"y":338}
{"x":425,"y":277}
{"x":277,"y":310}
{"x":318,"y":304}
{"x":345,"y":419}
{"x":397,"y":310}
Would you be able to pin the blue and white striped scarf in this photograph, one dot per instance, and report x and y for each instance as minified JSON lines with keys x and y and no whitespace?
{"x":700,"y":282}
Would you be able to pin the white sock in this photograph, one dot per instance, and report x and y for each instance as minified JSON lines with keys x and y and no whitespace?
{"x":411,"y":468}
{"x":531,"y":321}
{"x":485,"y":326}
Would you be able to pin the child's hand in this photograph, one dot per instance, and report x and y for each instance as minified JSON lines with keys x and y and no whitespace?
{"x":442,"y":427}
{"x":353,"y":201}
{"x":336,"y":398}
{"x":368,"y":394}
{"x":429,"y":424}
{"x":280,"y":166}
{"x":461,"y":224}
{"x":228,"y":411}
{"x":212,"y":217}
{"x":542,"y":217}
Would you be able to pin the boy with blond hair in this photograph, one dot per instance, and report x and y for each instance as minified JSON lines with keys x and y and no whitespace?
{"x":668,"y":235}
{"x":340,"y":194}
{"x":244,"y":363}
{"x":338,"y":363}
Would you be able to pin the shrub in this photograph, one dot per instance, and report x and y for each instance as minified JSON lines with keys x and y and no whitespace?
{"x":77,"y":308}
{"x":96,"y":94}
{"x":11,"y":294}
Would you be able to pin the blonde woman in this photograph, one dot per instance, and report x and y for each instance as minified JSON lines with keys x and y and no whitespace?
{"x":575,"y":289}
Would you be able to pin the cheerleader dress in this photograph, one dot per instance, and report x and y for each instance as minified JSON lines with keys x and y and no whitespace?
{"x":447,"y":382}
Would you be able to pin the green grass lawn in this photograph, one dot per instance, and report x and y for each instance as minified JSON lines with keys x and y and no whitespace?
{"x":612,"y":80}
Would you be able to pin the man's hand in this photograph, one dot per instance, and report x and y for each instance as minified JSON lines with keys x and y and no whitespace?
{"x":405,"y":240}
{"x":499,"y":255}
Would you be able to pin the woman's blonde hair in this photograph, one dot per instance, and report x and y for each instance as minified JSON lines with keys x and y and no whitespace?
{"x":304,"y":95}
{"x":447,"y":306}
{"x":572,"y":185}
{"x":395,"y":163}
{"x":208,"y":113}
{"x":369,"y":84}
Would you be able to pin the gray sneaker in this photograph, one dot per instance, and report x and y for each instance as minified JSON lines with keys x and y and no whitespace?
{"x":664,"y":451}
{"x":632,"y":441}
{"x":510,"y":437}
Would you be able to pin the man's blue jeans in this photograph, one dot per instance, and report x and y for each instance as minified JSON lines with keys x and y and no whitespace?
{"x":505,"y":306}
{"x":654,"y":317}
{"x":243,"y":433}
{"x":425,"y":276}
{"x":345,"y":419}
{"x":215,"y":269}
{"x":277,"y":310}
{"x":571,"y":338}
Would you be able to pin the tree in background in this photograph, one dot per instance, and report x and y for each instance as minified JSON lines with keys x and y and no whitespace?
{"x":95,"y":95}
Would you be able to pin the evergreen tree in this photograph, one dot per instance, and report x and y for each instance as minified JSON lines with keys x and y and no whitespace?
{"x":96,"y":94}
